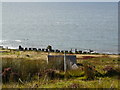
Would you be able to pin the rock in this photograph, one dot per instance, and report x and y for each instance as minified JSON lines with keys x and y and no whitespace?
{"x":74,"y":66}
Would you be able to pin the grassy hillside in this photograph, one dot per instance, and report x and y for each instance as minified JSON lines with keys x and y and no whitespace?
{"x":95,"y":71}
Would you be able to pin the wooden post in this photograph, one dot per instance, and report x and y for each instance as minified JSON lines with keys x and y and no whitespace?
{"x":64,"y":62}
{"x":48,"y":55}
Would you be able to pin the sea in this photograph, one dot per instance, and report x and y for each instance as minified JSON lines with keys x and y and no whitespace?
{"x":63,"y":25}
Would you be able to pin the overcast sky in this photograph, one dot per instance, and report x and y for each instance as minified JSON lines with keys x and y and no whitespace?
{"x":59,"y":0}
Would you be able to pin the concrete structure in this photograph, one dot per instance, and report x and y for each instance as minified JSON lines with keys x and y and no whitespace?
{"x":1,"y":47}
{"x":62,"y":62}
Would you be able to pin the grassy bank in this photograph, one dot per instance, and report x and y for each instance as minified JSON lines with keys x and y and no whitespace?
{"x":34,"y":72}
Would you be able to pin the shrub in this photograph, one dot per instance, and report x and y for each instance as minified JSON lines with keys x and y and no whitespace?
{"x":111,"y":71}
{"x":89,"y":71}
{"x":49,"y":47}
{"x":74,"y":85}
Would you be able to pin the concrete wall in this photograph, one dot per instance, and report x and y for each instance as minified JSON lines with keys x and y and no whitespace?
{"x":57,"y":61}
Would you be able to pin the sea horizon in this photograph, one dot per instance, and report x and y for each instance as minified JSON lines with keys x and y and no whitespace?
{"x":65,"y":26}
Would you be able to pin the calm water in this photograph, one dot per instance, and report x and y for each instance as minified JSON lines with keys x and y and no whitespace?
{"x":62,"y":25}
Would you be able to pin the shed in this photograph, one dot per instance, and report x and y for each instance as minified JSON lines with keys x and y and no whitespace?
{"x":62,"y":62}
{"x":1,"y":47}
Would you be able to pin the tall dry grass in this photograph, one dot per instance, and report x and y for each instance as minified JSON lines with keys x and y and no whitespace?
{"x":24,"y":67}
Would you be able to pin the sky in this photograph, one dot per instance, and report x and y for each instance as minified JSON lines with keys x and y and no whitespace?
{"x":59,"y":0}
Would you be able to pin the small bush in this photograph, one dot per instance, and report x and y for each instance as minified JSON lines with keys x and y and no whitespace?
{"x":74,"y":85}
{"x":89,"y":71}
{"x":111,"y":71}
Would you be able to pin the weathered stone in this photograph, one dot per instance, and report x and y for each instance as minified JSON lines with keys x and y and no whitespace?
{"x":20,"y":48}
{"x":35,"y":49}
{"x":66,"y":51}
{"x":43,"y":49}
{"x":30,"y":48}
{"x":26,"y":49}
{"x":70,"y":52}
{"x":46,"y":50}
{"x":49,"y":47}
{"x":57,"y":50}
{"x":62,"y":51}
{"x":80,"y":52}
{"x":39,"y":49}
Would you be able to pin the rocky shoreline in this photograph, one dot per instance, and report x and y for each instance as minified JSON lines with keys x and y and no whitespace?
{"x":50,"y":49}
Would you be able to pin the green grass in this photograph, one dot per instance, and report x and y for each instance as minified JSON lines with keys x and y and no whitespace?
{"x":69,"y":83}
{"x":28,"y":67}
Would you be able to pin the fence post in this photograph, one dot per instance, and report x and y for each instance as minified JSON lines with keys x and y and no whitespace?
{"x":64,"y":62}
{"x":48,"y":56}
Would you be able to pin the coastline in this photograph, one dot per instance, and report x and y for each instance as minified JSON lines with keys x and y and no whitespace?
{"x":35,"y":53}
{"x":79,"y":51}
